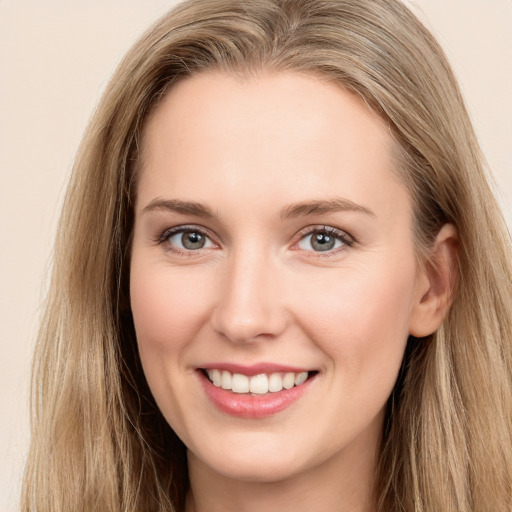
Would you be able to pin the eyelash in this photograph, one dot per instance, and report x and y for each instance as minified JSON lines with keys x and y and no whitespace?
{"x":339,"y":235}
{"x":168,"y":233}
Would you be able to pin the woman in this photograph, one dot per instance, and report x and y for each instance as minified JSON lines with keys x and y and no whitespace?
{"x":281,"y":279}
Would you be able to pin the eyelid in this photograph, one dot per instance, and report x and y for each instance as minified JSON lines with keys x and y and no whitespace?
{"x":346,"y":238}
{"x":167,"y":233}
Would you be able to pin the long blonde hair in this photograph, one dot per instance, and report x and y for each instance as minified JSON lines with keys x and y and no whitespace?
{"x":99,"y":441}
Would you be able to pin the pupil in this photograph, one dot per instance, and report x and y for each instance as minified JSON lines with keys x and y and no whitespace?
{"x":192,"y":240}
{"x":322,"y":242}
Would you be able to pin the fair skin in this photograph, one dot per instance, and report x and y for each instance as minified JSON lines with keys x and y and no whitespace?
{"x":291,"y":250}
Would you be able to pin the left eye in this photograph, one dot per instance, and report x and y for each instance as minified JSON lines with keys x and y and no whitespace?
{"x":189,"y":240}
{"x":322,"y":241}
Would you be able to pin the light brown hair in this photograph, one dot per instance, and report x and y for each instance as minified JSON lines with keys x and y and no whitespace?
{"x":99,"y":441}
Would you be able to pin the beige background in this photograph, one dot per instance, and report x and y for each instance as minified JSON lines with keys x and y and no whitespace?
{"x":55,"y":59}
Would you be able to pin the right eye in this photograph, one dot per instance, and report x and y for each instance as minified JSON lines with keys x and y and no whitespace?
{"x":186,"y":239}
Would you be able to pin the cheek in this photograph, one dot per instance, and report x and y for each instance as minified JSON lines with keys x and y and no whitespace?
{"x":167,"y":306}
{"x":168,"y":310}
{"x":360,"y":317}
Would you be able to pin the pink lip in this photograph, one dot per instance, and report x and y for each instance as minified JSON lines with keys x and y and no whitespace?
{"x":252,"y":406}
{"x":254,"y":369}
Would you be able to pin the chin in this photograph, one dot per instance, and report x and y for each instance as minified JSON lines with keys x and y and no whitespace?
{"x":251,"y":461}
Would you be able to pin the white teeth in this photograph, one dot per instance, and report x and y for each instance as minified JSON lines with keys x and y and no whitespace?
{"x":275,"y":382}
{"x":300,"y":378}
{"x":257,"y":384}
{"x":289,"y":381}
{"x":226,"y":380}
{"x":240,"y":383}
{"x":216,"y":377}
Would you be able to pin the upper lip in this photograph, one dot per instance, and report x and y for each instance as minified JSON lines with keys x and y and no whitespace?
{"x":255,"y":369}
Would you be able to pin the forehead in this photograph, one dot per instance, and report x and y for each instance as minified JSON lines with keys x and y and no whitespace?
{"x":281,"y":134}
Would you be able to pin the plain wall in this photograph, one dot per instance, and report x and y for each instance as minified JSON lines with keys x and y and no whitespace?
{"x":55,"y":59}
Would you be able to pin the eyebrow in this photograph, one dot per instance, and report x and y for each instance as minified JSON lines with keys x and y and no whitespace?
{"x":290,"y":211}
{"x":175,"y":205}
{"x":323,"y":206}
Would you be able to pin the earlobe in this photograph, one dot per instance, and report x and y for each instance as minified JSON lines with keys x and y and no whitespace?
{"x":436,"y":284}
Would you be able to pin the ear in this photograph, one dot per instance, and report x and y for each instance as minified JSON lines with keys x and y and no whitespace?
{"x":435,"y":284}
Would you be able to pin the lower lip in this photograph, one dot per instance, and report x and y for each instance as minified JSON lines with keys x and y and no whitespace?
{"x":252,"y":406}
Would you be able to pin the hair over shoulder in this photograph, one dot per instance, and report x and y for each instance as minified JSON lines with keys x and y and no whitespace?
{"x":99,"y":441}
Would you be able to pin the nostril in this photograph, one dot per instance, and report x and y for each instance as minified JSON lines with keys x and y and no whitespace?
{"x":260,"y":325}
{"x":248,"y":307}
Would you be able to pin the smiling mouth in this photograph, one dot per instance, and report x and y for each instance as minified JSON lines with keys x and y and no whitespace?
{"x":260,"y":384}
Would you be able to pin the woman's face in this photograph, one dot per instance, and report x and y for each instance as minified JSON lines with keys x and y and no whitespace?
{"x":272,"y":243}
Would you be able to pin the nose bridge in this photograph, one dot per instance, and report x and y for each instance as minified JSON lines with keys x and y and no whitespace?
{"x":249,"y":306}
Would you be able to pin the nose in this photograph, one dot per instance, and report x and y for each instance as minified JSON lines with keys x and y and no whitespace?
{"x":250,"y":305}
